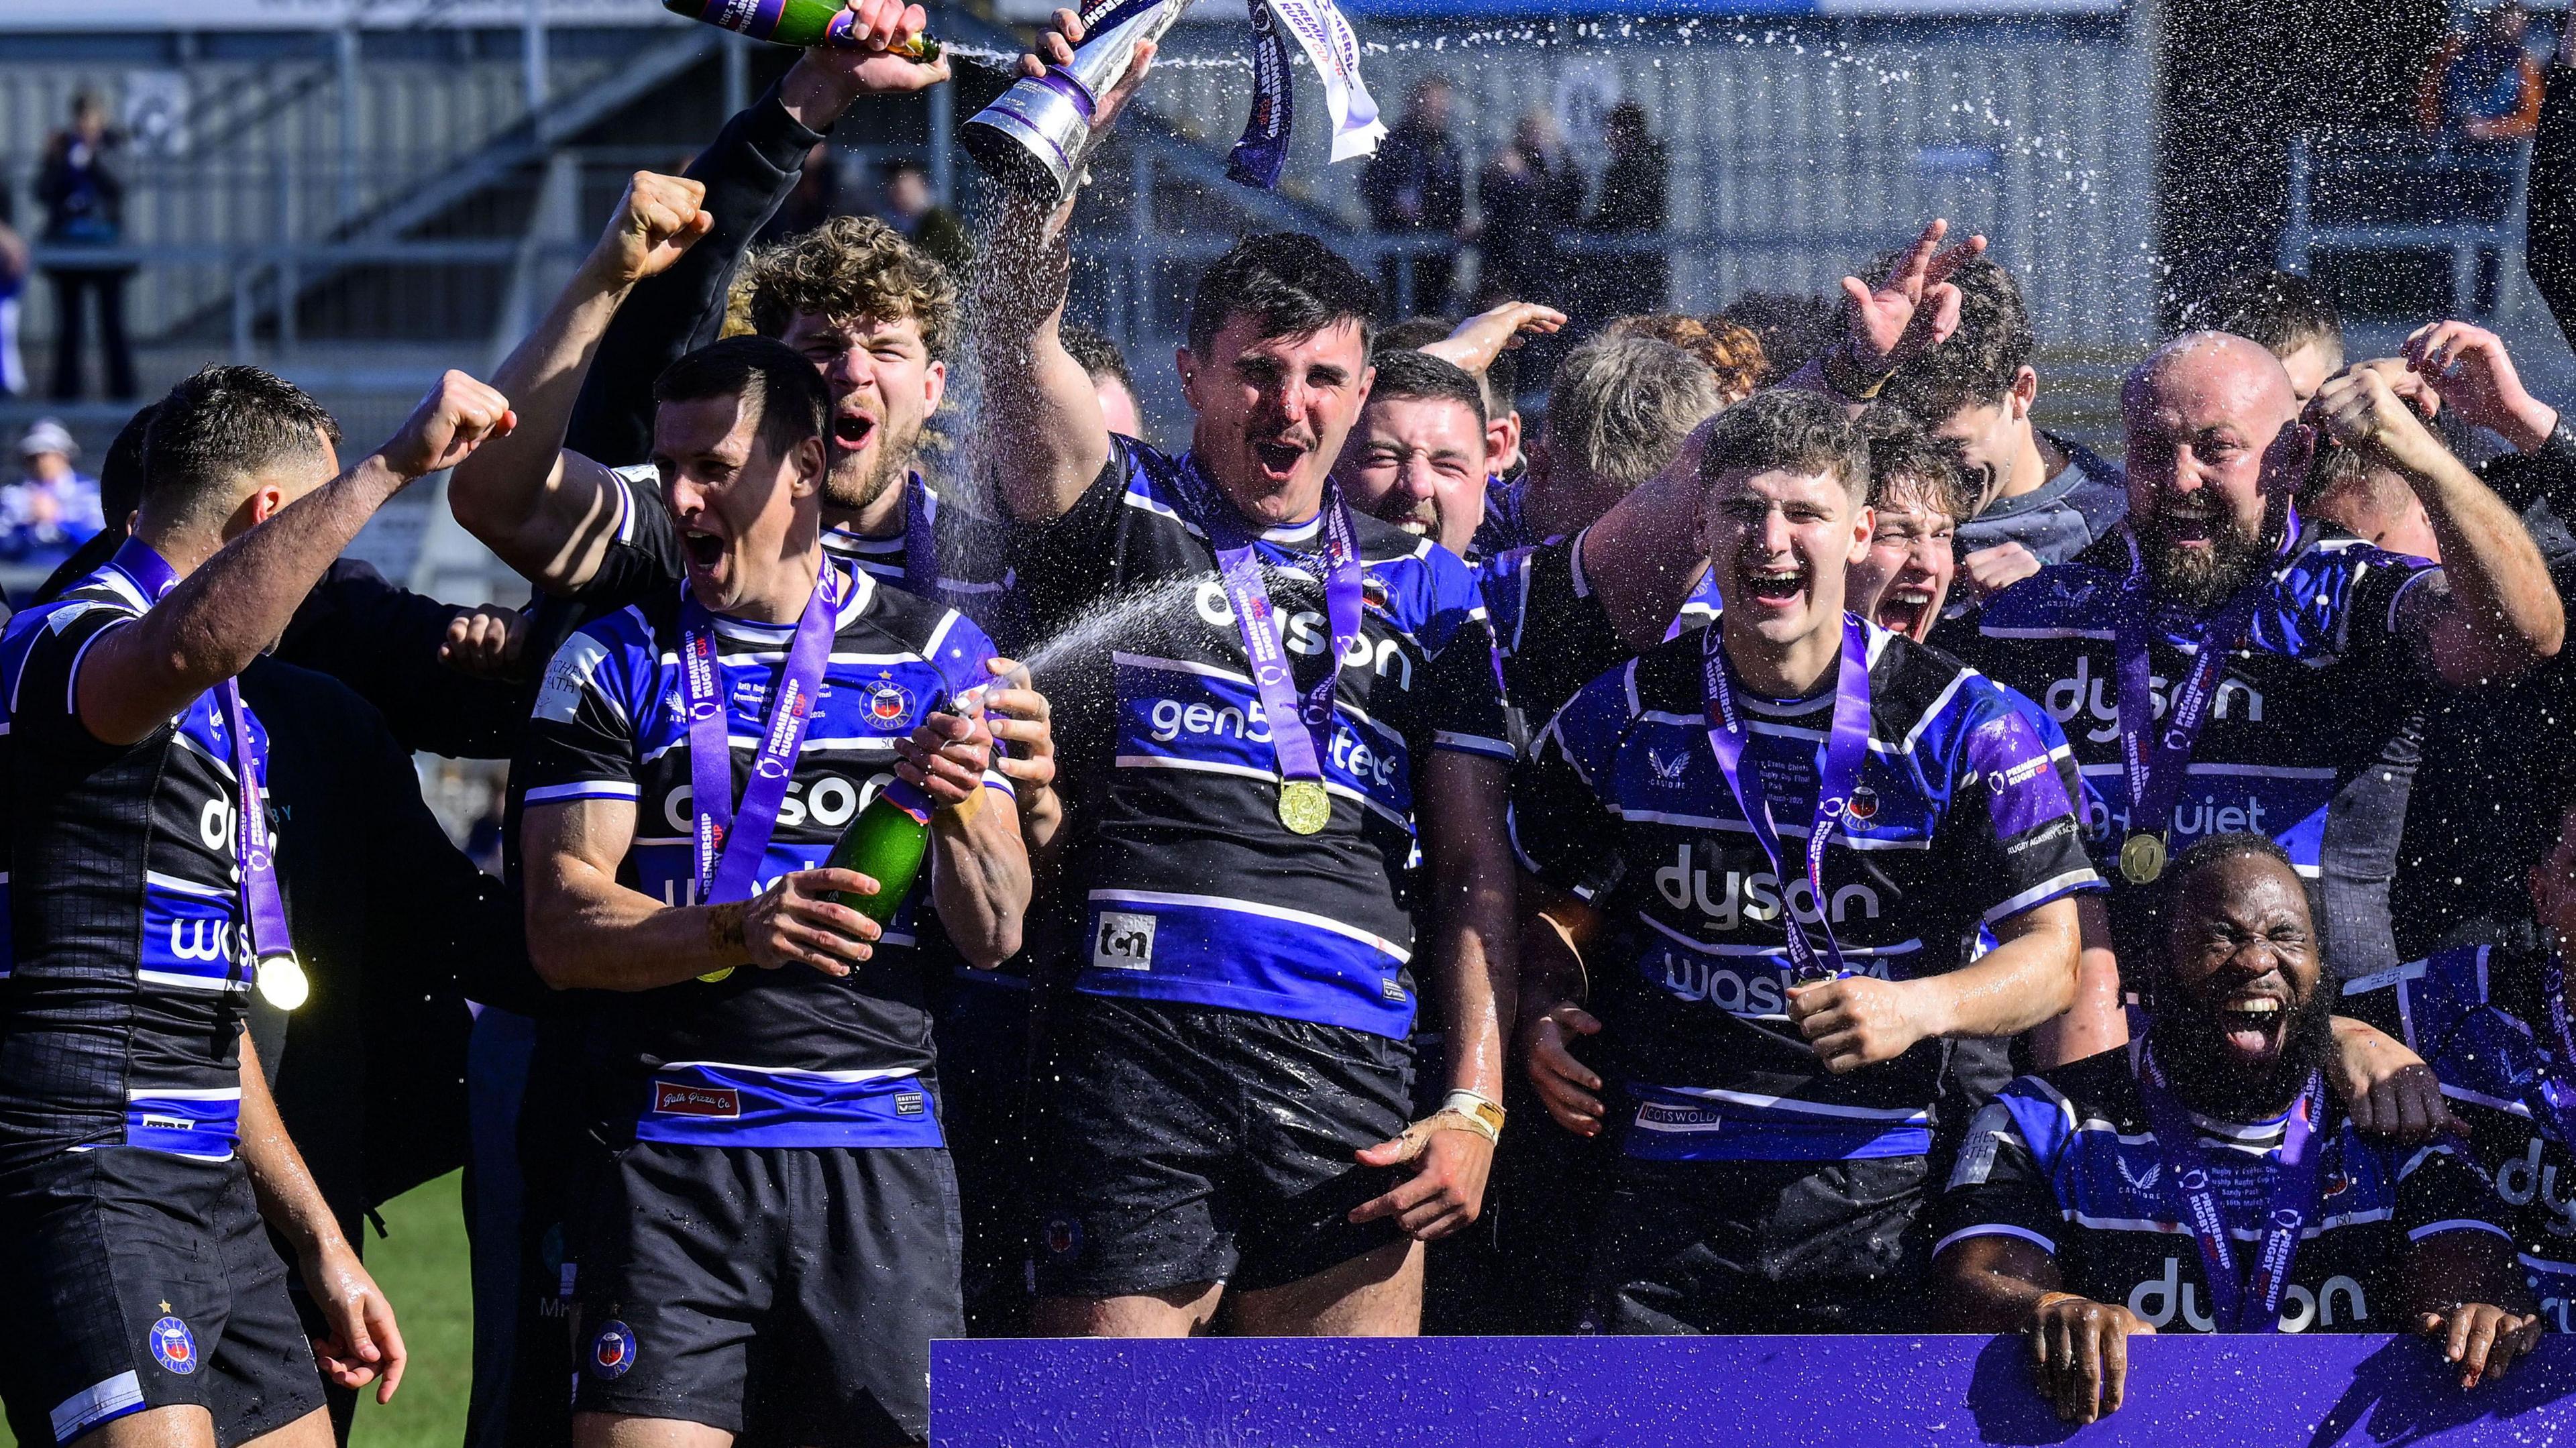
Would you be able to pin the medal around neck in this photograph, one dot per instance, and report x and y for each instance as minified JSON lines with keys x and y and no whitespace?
{"x":1304,"y":807}
{"x":2142,"y":858}
{"x":282,"y":982}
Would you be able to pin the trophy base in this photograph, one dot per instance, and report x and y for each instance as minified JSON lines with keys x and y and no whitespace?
{"x":1020,"y":156}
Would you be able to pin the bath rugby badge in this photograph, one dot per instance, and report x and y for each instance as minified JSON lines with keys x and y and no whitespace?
{"x":889,"y":703}
{"x":613,"y":1351}
{"x":173,"y":1345}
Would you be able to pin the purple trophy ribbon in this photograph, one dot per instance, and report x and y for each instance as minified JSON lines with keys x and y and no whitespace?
{"x":730,"y":845}
{"x":2238,"y":1303}
{"x":1837,"y":771}
{"x":1262,"y":154}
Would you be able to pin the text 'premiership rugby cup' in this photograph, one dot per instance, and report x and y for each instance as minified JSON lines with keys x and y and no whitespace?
{"x":891,"y":837}
{"x":791,"y":22}
{"x":1035,"y":138}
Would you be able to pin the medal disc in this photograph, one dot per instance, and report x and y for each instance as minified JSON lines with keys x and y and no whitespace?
{"x":1304,"y":807}
{"x":2142,"y":859}
{"x":281,"y":982}
{"x":715,"y":976}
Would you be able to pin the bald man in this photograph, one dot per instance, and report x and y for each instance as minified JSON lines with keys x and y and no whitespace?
{"x":2302,"y":723}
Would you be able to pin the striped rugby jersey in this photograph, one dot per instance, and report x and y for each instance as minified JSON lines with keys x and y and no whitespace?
{"x":785,"y":1057}
{"x":1958,"y":820}
{"x":1195,"y":891}
{"x":2312,"y":738}
{"x":2468,"y":1012}
{"x":128,"y":963}
{"x":2067,"y":1160}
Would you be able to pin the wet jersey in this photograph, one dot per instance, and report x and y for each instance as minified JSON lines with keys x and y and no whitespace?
{"x":1195,"y":890}
{"x":972,"y":576}
{"x":2067,"y":1161}
{"x":786,"y":1057}
{"x":1956,"y":820}
{"x":1551,"y":635}
{"x":2471,"y":1013}
{"x":2312,"y":737}
{"x":128,"y":964}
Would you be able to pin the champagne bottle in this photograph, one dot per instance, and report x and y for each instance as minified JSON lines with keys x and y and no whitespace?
{"x":792,"y":22}
{"x":886,"y":843}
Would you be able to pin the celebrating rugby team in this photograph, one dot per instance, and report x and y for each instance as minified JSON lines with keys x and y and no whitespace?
{"x":1787,"y":845}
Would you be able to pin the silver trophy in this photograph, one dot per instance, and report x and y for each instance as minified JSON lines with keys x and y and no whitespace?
{"x":1035,"y":138}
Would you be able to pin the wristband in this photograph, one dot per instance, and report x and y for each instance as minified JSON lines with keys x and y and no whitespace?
{"x":1843,"y":375}
{"x":1482,"y":1116}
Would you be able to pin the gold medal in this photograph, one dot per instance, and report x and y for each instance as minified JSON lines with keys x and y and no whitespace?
{"x":716,"y":976}
{"x":281,"y":982}
{"x":2142,"y":858}
{"x":1304,"y":807}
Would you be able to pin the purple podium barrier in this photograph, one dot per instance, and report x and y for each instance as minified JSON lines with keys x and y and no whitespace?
{"x":1792,"y":1392}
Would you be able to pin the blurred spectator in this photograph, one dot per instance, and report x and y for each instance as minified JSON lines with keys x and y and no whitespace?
{"x":13,"y":283}
{"x":53,"y":508}
{"x":1730,"y":349}
{"x":815,"y":199}
{"x":2484,"y":85}
{"x":1531,"y":193}
{"x":1107,"y":367}
{"x":1794,"y":329}
{"x":1634,"y":201}
{"x":1416,"y":184}
{"x":905,"y":200}
{"x":84,"y":203}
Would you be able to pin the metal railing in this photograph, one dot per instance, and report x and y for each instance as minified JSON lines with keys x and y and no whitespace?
{"x":2389,"y":192}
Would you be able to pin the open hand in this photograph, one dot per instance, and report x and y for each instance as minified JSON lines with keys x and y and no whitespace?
{"x":1914,"y":308}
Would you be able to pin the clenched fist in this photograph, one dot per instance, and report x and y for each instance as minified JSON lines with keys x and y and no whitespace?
{"x":458,"y":416}
{"x":657,"y":221}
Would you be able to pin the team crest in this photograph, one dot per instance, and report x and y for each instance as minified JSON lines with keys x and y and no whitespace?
{"x":613,"y":1351}
{"x":889,"y":703}
{"x":173,"y":1345}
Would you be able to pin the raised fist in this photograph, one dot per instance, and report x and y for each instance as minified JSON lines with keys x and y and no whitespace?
{"x":659,"y":218}
{"x":458,"y":416}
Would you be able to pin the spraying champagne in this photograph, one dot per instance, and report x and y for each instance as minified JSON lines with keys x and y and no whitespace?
{"x":891,"y":837}
{"x":799,"y":23}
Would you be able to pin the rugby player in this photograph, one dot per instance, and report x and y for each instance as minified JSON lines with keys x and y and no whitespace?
{"x":2265,"y":671}
{"x":1762,"y":846}
{"x":1416,"y":457}
{"x":140,"y":1150}
{"x":2068,"y":1215}
{"x":774,"y":1243}
{"x":2283,"y":313}
{"x":1302,"y":697}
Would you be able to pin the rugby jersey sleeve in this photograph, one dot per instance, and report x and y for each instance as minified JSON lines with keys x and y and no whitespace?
{"x":1562,"y":823}
{"x":2002,"y":1183}
{"x":582,"y":734}
{"x":2010,"y":823}
{"x":1466,"y":713}
{"x":2439,"y":1190}
{"x":41,"y":662}
{"x":643,"y":556}
{"x":2358,"y":602}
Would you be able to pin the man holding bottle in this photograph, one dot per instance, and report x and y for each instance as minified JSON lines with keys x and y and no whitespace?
{"x":780,"y":1119}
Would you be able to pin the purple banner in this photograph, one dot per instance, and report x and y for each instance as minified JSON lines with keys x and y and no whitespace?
{"x":1783,"y":1392}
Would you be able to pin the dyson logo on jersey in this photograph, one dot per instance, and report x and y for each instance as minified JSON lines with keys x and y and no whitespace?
{"x":1756,"y":896}
{"x":1306,"y":632}
{"x":2300,"y":1309}
{"x":2523,"y":1182}
{"x":830,"y":801}
{"x":2089,"y":696}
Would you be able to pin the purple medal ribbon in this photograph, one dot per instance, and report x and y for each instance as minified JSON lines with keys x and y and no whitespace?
{"x":1298,"y":728}
{"x":263,"y":906}
{"x":1837,"y":772}
{"x":2236,"y":1303}
{"x":2154,"y":771}
{"x":2557,"y":1092}
{"x":729,"y":847}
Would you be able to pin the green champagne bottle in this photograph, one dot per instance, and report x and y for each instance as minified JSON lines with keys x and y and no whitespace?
{"x":886,"y":843}
{"x":792,"y":22}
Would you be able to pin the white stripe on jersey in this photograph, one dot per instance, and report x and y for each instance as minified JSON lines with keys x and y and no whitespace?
{"x":1247,"y":907}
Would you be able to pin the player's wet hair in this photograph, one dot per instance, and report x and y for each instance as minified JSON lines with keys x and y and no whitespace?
{"x":1907,"y":462}
{"x":1420,"y":377}
{"x":221,"y":426}
{"x":1621,"y":407}
{"x":1977,"y":364}
{"x":781,"y":388}
{"x":2280,"y":311}
{"x":1791,"y":429}
{"x":1290,"y":283}
{"x":849,"y":268}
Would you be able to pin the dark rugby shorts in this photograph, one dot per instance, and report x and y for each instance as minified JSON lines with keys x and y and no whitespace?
{"x":785,"y":1293}
{"x":1183,"y":1144}
{"x":133,"y":1279}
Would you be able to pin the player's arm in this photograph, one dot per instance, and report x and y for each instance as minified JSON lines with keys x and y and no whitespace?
{"x":548,"y":512}
{"x":1042,"y":416}
{"x":2492,"y":611}
{"x":2468,"y":1295}
{"x":365,"y":1344}
{"x":1473,"y":949}
{"x":236,"y":604}
{"x":1022,"y":719}
{"x":2027,"y":978}
{"x":2098,"y":1019}
{"x":588,"y":932}
{"x":1555,"y":929}
{"x":979,"y":870}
